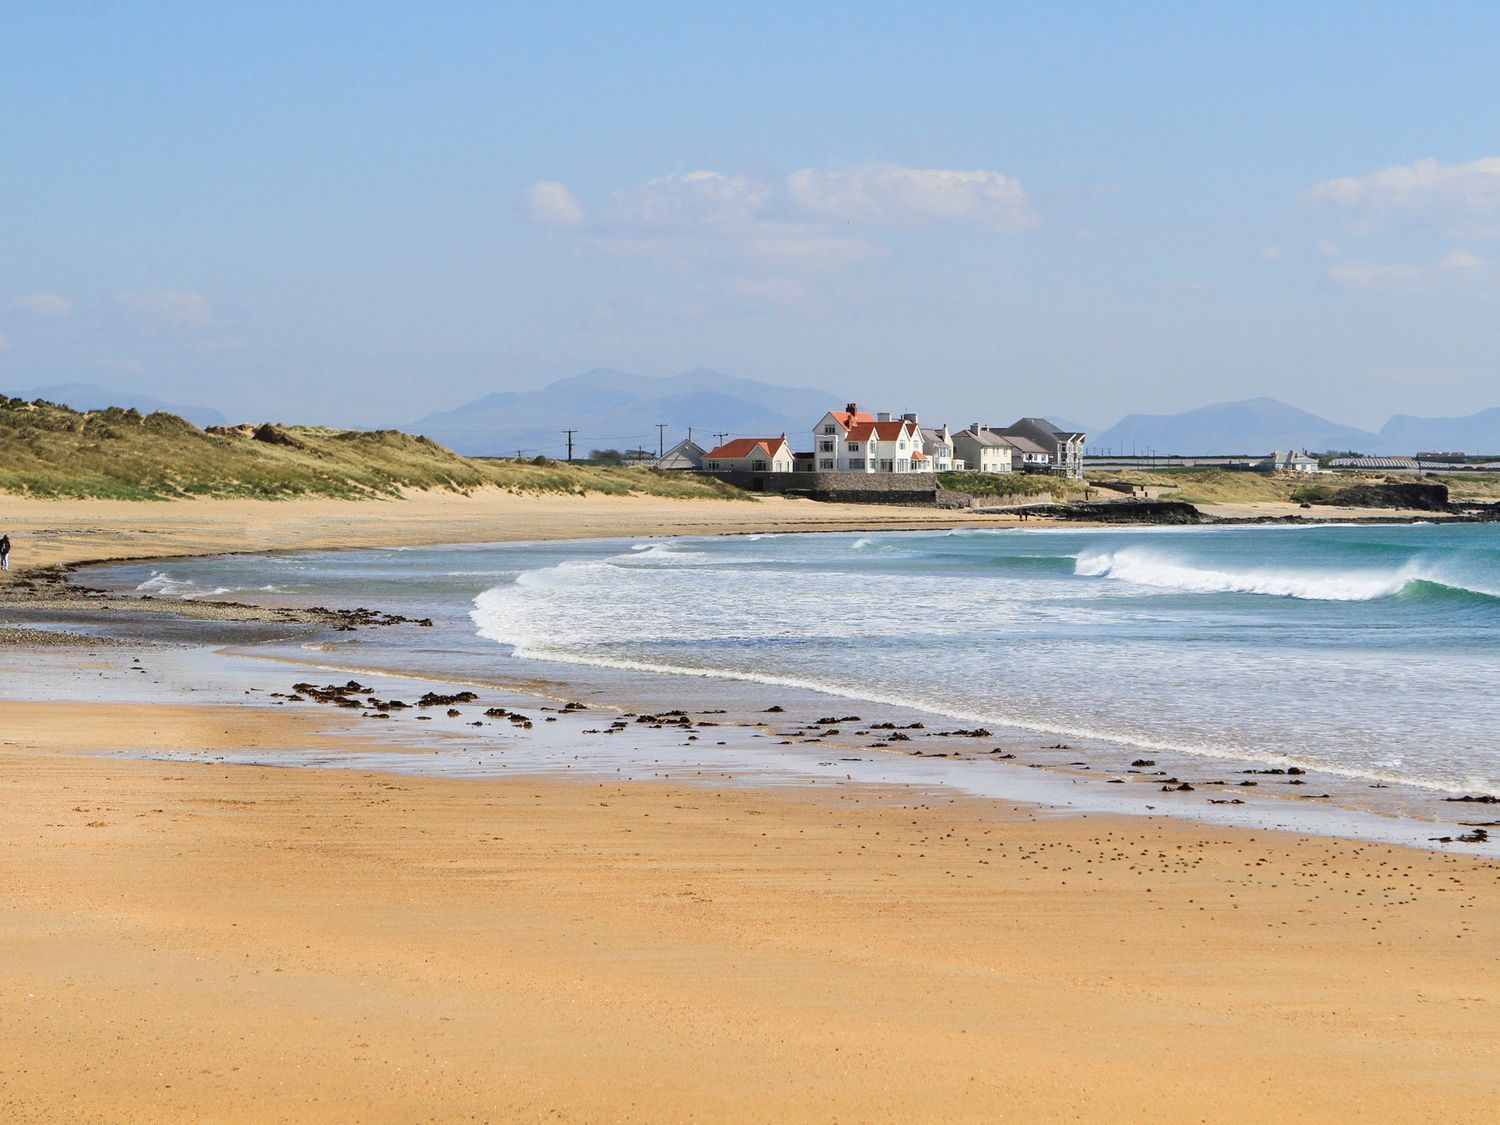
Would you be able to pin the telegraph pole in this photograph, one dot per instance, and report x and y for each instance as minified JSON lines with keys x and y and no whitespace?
{"x":570,"y":434}
{"x":661,"y":440}
{"x":719,"y":437}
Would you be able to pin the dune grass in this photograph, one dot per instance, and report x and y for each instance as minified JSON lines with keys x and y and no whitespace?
{"x":1017,"y":486}
{"x":50,"y":450}
{"x":1208,"y":486}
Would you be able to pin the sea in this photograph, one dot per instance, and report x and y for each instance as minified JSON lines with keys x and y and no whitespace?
{"x":1369,"y":653}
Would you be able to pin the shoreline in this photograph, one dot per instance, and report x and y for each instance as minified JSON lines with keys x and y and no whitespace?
{"x":193,"y":938}
{"x":1361,"y":817}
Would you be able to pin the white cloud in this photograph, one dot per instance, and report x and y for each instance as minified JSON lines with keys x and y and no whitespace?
{"x":1272,"y":254}
{"x":45,"y":304}
{"x":890,"y":195}
{"x":553,"y":205}
{"x":809,"y":220}
{"x":1423,"y":187}
{"x":1373,"y":275}
{"x":1330,"y":249}
{"x":1457,"y":266}
{"x":1462,"y":260}
{"x":171,"y":308}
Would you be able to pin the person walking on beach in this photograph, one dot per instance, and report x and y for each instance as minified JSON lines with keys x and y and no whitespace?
{"x":4,"y":552}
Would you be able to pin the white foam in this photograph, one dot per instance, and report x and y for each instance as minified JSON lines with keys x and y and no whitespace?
{"x":1144,"y":567}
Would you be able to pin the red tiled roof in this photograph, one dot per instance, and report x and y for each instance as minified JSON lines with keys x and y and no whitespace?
{"x":745,"y":446}
{"x":882,"y":431}
{"x":848,"y":420}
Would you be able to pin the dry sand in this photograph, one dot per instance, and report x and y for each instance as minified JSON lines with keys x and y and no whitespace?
{"x":48,"y":532}
{"x":232,"y":943}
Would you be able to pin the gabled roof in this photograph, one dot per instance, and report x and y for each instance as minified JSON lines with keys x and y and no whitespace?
{"x":746,"y":446}
{"x":849,"y":419}
{"x":934,"y":436}
{"x":1043,"y":424}
{"x":880,"y":431}
{"x":1024,"y":444}
{"x":987,"y":437}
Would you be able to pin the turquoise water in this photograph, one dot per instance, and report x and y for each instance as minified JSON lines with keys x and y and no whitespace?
{"x":1372,"y":652}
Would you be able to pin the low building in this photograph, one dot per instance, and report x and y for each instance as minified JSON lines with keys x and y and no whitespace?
{"x":1064,"y":448}
{"x":1291,"y":461}
{"x":983,"y":450}
{"x":685,"y":455}
{"x":938,"y":445}
{"x":751,"y":455}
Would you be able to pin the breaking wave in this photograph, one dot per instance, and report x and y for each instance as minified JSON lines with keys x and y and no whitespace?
{"x":1143,"y":567}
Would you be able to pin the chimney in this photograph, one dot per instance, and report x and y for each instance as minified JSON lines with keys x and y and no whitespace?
{"x":912,"y":418}
{"x":883,"y":416}
{"x":975,"y":427}
{"x":852,"y":408}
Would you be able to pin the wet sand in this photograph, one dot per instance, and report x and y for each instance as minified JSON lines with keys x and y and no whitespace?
{"x":190,"y":941}
{"x":241,"y":943}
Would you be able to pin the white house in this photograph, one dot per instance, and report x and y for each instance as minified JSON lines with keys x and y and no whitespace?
{"x":851,"y":441}
{"x":1291,"y":461}
{"x":983,"y":450}
{"x":750,"y":455}
{"x":938,"y":445}
{"x":686,"y":454}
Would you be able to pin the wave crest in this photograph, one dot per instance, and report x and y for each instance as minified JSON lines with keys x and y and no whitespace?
{"x":1151,"y":568}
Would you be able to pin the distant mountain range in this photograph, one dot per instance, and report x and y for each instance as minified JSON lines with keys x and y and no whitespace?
{"x":1260,"y":425}
{"x":617,"y":410}
{"x":86,"y":396}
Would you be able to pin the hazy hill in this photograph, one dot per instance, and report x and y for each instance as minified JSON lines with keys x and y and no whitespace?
{"x":86,"y":396}
{"x":1254,"y":426}
{"x":616,"y":409}
{"x":1475,"y":433}
{"x":51,"y":450}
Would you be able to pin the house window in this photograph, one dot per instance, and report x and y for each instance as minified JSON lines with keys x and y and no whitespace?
{"x":853,"y":447}
{"x":826,"y":464}
{"x":828,"y":429}
{"x":886,"y":467}
{"x":901,"y":445}
{"x":713,"y":466}
{"x":857,"y":463}
{"x":825,"y":447}
{"x":757,"y":466}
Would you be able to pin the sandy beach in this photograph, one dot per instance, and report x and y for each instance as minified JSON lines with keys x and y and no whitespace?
{"x":252,"y":944}
{"x":51,"y":532}
{"x":200,"y":941}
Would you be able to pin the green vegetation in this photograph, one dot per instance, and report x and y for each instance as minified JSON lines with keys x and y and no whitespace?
{"x":50,"y":450}
{"x":1206,"y":486}
{"x":1239,"y":486}
{"x":1018,"y":486}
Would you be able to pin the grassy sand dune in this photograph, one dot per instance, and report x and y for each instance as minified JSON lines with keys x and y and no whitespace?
{"x":48,"y":450}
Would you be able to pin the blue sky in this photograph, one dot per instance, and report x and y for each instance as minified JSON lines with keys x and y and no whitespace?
{"x":361,"y":213}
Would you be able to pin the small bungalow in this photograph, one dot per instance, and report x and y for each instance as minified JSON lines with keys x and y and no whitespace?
{"x":750,"y":455}
{"x":1290,"y":461}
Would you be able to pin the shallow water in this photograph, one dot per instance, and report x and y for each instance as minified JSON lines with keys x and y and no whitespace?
{"x":1369,"y":652}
